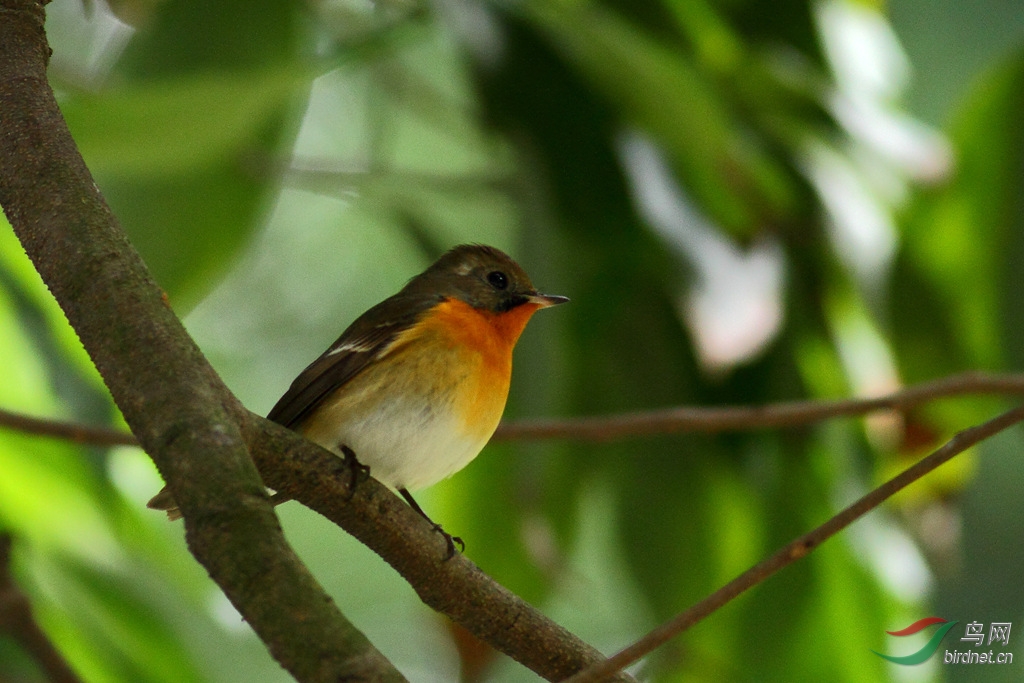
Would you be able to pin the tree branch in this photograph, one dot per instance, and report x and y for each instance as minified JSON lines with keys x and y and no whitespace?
{"x":201,"y":438}
{"x":736,"y":418}
{"x":68,"y":431}
{"x":643,"y":423}
{"x":17,"y":622}
{"x":198,"y":434}
{"x":173,"y":401}
{"x":456,"y":587}
{"x":388,"y":526}
{"x":797,"y":549}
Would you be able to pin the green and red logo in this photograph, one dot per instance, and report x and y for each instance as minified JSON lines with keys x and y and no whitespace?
{"x":930,"y":648}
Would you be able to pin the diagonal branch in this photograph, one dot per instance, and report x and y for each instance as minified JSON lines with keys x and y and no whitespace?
{"x":797,"y":549}
{"x":175,"y":404}
{"x":18,"y":623}
{"x":198,"y":434}
{"x":455,"y":587}
{"x":201,"y":438}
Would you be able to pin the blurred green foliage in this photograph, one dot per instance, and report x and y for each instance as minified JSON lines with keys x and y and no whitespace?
{"x":742,"y":210}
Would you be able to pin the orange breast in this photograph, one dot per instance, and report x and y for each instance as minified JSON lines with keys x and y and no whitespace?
{"x":479,"y":345}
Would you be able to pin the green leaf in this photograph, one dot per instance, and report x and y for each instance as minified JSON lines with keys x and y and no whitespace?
{"x":660,"y":90}
{"x":106,"y":622}
{"x":25,"y":282}
{"x":187,"y":164}
{"x":970,"y":231}
{"x":171,"y":127}
{"x":184,"y":147}
{"x":185,"y":36}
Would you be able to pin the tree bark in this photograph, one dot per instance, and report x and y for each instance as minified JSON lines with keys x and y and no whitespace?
{"x":202,"y":440}
{"x":177,"y":407}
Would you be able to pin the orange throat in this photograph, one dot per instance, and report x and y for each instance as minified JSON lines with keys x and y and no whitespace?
{"x":493,"y":335}
{"x":487,"y":339}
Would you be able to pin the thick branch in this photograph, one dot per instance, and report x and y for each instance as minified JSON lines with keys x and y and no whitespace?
{"x":188,"y":422}
{"x":172,"y":400}
{"x":737,"y":418}
{"x":388,"y":526}
{"x":455,"y":587}
{"x":797,"y":549}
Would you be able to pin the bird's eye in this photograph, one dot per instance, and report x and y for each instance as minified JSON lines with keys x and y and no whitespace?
{"x":497,"y":279}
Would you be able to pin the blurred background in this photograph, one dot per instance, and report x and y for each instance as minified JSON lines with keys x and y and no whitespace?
{"x":747,"y":202}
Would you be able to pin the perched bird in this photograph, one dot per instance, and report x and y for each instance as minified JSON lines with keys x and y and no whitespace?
{"x":416,"y":386}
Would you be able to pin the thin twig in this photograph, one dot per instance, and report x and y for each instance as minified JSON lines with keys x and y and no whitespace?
{"x":625,"y":425}
{"x":69,"y":431}
{"x":18,"y":623}
{"x":796,"y":549}
{"x":741,"y":418}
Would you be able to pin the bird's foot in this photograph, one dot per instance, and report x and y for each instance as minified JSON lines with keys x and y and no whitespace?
{"x":448,"y":538}
{"x":357,"y":471}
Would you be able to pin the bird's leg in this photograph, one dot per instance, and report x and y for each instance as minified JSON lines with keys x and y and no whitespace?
{"x":449,"y":539}
{"x":357,"y":470}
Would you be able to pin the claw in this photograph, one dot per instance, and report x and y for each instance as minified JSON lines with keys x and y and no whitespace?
{"x":448,"y":538}
{"x":357,"y":470}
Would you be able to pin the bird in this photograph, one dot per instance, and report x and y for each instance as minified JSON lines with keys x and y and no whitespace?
{"x":415,"y":387}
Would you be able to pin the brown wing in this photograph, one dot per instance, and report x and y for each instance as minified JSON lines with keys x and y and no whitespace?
{"x":365,"y":340}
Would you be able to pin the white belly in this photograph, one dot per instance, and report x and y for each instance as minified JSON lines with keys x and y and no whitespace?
{"x":407,"y":445}
{"x":411,"y":434}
